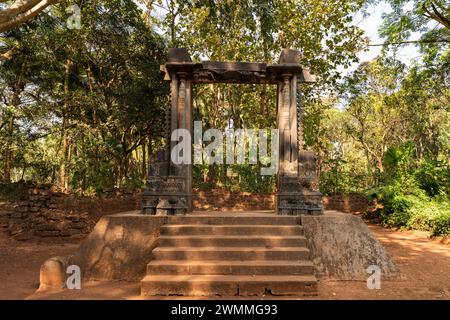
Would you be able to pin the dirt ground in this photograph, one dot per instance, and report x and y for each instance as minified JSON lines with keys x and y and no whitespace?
{"x":424,"y":266}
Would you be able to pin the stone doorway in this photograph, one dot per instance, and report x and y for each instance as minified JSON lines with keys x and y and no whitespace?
{"x":169,"y":188}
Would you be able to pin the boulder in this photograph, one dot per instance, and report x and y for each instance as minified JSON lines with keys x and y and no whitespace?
{"x":119,"y":247}
{"x":342,"y":247}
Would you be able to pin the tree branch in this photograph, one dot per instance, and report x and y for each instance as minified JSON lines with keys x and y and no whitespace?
{"x":7,"y":55}
{"x":409,"y":42}
{"x":22,"y":11}
{"x":436,"y":15}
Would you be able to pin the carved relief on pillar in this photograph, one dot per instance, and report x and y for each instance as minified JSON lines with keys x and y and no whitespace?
{"x":182,"y":101}
{"x":299,"y":120}
{"x":308,"y":171}
{"x":165,"y":195}
{"x":288,"y":163}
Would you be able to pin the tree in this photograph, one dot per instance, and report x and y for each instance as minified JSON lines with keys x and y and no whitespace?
{"x":101,"y":88}
{"x":430,"y":18}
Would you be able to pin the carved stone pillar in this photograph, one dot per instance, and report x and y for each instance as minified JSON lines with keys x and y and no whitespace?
{"x":169,"y":185}
{"x":297,"y":181}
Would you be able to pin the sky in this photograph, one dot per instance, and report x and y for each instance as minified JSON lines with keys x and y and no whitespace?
{"x":407,"y":53}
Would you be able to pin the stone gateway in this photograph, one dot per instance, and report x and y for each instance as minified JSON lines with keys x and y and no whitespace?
{"x":169,"y":188}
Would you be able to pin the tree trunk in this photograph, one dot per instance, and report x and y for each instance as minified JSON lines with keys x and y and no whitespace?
{"x":65,"y":145}
{"x":144,"y":161}
{"x":8,"y":152}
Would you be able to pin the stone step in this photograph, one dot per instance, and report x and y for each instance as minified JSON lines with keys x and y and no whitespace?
{"x":235,"y":220}
{"x":232,"y":241}
{"x":230,"y":253}
{"x":243,"y":230}
{"x":227,"y":285}
{"x":255,"y":267}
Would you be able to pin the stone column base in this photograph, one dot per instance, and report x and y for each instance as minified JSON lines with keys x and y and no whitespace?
{"x":297,"y":203}
{"x":165,"y":195}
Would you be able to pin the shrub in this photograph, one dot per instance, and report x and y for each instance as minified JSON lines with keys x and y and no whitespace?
{"x":406,"y":205}
{"x":433,"y":177}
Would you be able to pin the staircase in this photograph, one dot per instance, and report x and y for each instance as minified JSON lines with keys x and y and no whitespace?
{"x":230,"y":255}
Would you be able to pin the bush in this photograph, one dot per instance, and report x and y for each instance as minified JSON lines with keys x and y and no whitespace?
{"x":413,"y":211}
{"x":433,"y":216}
{"x":433,"y":177}
{"x":407,"y":205}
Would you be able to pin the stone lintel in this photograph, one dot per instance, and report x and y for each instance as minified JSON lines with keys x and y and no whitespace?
{"x":306,"y":76}
{"x":234,"y":66}
{"x":235,"y":72}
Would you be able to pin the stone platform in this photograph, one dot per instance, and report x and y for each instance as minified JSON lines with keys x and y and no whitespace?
{"x":208,"y":253}
{"x":230,"y":255}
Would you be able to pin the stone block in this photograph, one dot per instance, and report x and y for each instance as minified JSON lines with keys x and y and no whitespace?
{"x":119,"y":247}
{"x":53,"y":274}
{"x":17,"y":215}
{"x":179,"y":55}
{"x":290,"y":56}
{"x":342,"y":247}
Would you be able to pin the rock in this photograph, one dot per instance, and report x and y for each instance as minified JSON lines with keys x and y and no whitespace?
{"x":45,"y":192}
{"x":15,"y":229}
{"x":342,"y":247}
{"x":4,"y":222}
{"x":61,"y":225}
{"x":42,"y":227}
{"x":119,"y":247}
{"x":33,"y":191}
{"x":74,"y":218}
{"x":79,"y":225}
{"x":22,"y":209}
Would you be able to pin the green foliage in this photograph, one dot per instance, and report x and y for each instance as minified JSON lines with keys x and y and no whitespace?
{"x":84,"y":104}
{"x":396,"y":160}
{"x":433,"y":177}
{"x":414,"y":197}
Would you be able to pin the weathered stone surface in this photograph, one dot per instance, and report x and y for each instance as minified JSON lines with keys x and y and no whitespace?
{"x":290,"y":56}
{"x":53,"y":273}
{"x":179,"y":55}
{"x":240,"y":264}
{"x":342,"y":247}
{"x":44,"y":211}
{"x":119,"y":247}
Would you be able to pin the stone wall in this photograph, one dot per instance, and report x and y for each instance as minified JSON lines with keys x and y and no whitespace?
{"x":48,"y":212}
{"x":223,"y":200}
{"x":348,"y":203}
{"x":43,"y":211}
{"x":241,"y":201}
